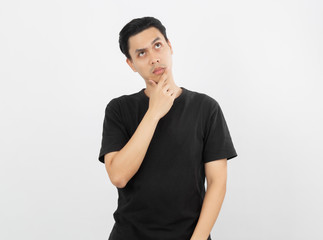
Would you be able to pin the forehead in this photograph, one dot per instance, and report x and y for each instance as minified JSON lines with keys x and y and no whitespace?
{"x":144,"y":38}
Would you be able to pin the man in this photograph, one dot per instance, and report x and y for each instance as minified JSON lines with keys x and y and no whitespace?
{"x":160,"y":143}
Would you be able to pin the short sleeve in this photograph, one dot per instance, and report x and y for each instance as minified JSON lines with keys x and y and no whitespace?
{"x":217,"y":142}
{"x":114,"y":134}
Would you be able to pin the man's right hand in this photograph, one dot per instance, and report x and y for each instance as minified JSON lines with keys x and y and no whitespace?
{"x":161,"y":96}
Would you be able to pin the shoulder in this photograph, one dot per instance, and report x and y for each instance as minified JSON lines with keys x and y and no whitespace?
{"x":116,"y":102}
{"x":205,"y":101}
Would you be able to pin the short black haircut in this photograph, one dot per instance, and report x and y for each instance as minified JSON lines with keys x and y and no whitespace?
{"x":135,"y":26}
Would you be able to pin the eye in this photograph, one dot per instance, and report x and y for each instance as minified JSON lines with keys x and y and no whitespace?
{"x":158,"y":45}
{"x":141,"y":54}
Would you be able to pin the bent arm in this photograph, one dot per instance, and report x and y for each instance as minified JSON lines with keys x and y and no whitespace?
{"x":123,"y":165}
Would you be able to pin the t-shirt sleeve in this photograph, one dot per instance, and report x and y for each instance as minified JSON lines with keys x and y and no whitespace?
{"x":217,"y":142}
{"x":114,"y":134}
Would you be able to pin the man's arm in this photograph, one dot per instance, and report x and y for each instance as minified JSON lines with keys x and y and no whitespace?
{"x":123,"y":165}
{"x":216,"y":175}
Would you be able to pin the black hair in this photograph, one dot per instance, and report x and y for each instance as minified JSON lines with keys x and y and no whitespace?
{"x":135,"y":26}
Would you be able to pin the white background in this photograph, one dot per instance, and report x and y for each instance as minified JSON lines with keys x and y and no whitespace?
{"x":60,"y":64}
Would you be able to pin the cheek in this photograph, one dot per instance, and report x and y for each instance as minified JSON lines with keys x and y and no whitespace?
{"x":168,"y":57}
{"x":167,"y":52}
{"x":139,"y":67}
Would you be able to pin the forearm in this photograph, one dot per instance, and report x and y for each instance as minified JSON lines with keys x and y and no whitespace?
{"x":211,"y":207}
{"x":128,"y":160}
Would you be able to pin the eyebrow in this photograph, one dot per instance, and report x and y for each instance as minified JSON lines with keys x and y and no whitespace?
{"x":143,"y":49}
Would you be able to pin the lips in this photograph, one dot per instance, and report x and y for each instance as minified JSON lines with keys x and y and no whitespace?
{"x":158,"y":70}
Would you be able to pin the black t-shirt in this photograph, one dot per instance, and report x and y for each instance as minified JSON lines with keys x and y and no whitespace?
{"x":163,"y":199}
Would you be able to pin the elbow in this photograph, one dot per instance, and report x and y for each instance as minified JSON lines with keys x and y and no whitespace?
{"x":118,"y":183}
{"x":116,"y":180}
{"x":115,"y":176}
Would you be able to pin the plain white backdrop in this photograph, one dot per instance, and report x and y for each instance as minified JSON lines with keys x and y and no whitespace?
{"x":60,"y":65}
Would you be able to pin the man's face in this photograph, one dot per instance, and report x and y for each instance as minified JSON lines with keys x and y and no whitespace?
{"x":149,"y":51}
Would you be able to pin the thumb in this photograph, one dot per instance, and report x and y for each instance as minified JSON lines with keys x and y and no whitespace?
{"x":151,"y":82}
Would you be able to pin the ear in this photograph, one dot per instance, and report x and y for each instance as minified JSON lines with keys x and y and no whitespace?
{"x":130,"y":63}
{"x":170,"y":46}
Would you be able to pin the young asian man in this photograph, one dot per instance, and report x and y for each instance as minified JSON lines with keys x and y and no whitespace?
{"x":159,"y":145}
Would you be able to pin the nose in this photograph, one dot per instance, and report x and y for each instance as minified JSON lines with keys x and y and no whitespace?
{"x":154,"y":59}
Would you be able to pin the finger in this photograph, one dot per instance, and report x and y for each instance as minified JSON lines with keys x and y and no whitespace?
{"x":165,"y":82}
{"x":153,"y":83}
{"x":166,"y":88}
{"x":162,"y":81}
{"x":171,"y":92}
{"x":163,"y":78}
